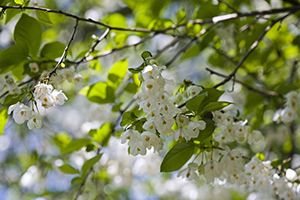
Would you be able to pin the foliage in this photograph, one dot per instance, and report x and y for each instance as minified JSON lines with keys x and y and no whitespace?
{"x":211,"y":88}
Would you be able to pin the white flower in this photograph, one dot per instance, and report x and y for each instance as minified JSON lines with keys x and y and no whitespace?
{"x":59,"y":97}
{"x":68,"y":74}
{"x":288,"y":115}
{"x":78,"y":78}
{"x":191,"y":172}
{"x":152,"y":140}
{"x":292,"y":99}
{"x":149,"y":126}
{"x":222,"y":118}
{"x":193,"y":129}
{"x":21,"y":112}
{"x":163,"y":125}
{"x":241,"y":132}
{"x":291,"y":175}
{"x":182,"y":120}
{"x":136,"y":143}
{"x":47,"y":101}
{"x":227,"y":134}
{"x":35,"y":122}
{"x":41,"y":90}
{"x":150,"y":72}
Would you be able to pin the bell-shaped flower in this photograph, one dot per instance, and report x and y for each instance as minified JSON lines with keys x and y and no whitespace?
{"x":35,"y":122}
{"x":21,"y":112}
{"x":59,"y":97}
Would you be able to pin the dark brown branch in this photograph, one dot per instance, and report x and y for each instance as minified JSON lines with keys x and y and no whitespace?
{"x":64,"y":55}
{"x":93,"y":47}
{"x":78,"y":18}
{"x":119,"y":48}
{"x":249,"y":87}
{"x":188,"y":45}
{"x":214,"y":20}
{"x":250,"y":50}
{"x":171,"y":44}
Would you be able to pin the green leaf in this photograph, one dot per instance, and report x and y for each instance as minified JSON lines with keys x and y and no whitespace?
{"x":68,"y":169}
{"x":208,"y":131}
{"x":75,"y":145}
{"x":28,"y":31}
{"x":52,"y":50}
{"x":76,"y":181}
{"x":138,"y":69}
{"x":89,"y":164}
{"x":212,"y":106}
{"x":116,"y":20}
{"x":194,"y":104}
{"x":102,"y":134}
{"x":100,"y":93}
{"x":3,"y":120}
{"x":43,"y":17}
{"x":127,"y":118}
{"x":117,"y":72}
{"x":13,"y":55}
{"x":20,"y":2}
{"x":177,"y":156}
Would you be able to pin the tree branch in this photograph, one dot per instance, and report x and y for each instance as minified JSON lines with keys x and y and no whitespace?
{"x":213,"y":20}
{"x":250,"y":50}
{"x":93,"y":47}
{"x":249,"y":87}
{"x":64,"y":55}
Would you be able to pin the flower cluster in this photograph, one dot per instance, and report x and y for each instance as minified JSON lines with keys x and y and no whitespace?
{"x":22,"y":113}
{"x":231,"y":130}
{"x":7,"y":82}
{"x":161,"y":114}
{"x":45,"y":96}
{"x":188,"y":129}
{"x":289,"y":112}
{"x":156,"y":102}
{"x":66,"y":74}
{"x":139,"y":143}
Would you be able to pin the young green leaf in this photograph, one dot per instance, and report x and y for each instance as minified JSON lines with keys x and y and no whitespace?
{"x":75,"y":145}
{"x":101,"y":93}
{"x":28,"y":31}
{"x":68,"y":169}
{"x":213,"y":106}
{"x":117,"y":72}
{"x":102,"y":134}
{"x":52,"y":50}
{"x":89,"y":164}
{"x":177,"y":156}
{"x":3,"y":120}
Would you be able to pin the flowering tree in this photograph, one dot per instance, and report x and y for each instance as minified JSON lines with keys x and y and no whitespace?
{"x":95,"y":96}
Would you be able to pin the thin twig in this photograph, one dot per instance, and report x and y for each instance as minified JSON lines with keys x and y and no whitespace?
{"x":171,"y":44}
{"x":64,"y":55}
{"x":81,"y":187}
{"x":249,"y":87}
{"x":119,"y":48}
{"x":188,"y":45}
{"x":250,"y":50}
{"x":93,"y":47}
